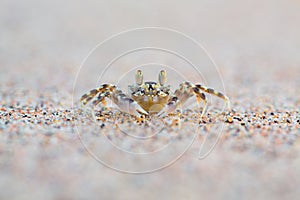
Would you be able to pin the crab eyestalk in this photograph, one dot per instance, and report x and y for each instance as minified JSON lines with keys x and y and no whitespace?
{"x":139,"y":78}
{"x":162,"y":77}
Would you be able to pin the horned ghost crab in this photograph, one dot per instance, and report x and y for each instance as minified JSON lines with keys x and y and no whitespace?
{"x":148,"y":98}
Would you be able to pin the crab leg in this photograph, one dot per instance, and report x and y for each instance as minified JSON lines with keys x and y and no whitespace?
{"x":215,"y":93}
{"x":125,"y":103}
{"x":100,"y":90}
{"x":101,"y":98}
{"x":181,"y":95}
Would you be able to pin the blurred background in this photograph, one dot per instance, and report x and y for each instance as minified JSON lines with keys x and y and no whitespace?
{"x":254,"y":43}
{"x":243,"y":36}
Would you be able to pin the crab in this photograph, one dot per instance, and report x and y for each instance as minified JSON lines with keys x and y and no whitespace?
{"x":148,"y":98}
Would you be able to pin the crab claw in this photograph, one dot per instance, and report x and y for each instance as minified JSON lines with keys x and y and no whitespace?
{"x":130,"y":106}
{"x":170,"y":107}
{"x":136,"y":109}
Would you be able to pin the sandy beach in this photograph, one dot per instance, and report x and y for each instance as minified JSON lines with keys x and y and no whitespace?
{"x":51,"y":147}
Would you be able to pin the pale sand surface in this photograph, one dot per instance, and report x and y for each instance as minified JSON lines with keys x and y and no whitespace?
{"x":255,"y":45}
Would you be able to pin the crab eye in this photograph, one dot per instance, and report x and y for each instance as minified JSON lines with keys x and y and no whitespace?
{"x":140,"y":91}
